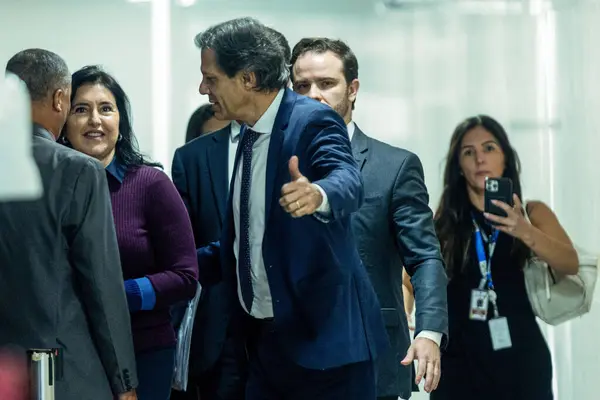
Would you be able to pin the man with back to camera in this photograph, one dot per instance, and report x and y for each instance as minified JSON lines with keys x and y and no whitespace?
{"x":302,"y":298}
{"x":394,"y":226}
{"x":202,"y":171}
{"x":62,"y":285}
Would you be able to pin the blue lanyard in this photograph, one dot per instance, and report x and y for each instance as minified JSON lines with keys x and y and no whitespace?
{"x":485,"y":263}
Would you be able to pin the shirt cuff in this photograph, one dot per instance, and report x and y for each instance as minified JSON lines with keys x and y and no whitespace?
{"x":324,"y":207}
{"x":140,"y":294}
{"x":148,"y":293}
{"x":436,"y":337}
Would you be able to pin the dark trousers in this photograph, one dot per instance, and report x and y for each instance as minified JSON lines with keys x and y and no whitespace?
{"x":155,"y":374}
{"x":226,"y":380}
{"x":273,"y":376}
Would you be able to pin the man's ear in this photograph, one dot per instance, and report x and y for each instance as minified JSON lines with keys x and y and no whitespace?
{"x":353,"y":90}
{"x":248,"y":80}
{"x":60,"y":100}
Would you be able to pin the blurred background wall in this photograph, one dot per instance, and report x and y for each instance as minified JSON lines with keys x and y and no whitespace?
{"x":424,"y":66}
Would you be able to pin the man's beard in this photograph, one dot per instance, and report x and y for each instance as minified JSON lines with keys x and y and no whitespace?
{"x":343,"y":107}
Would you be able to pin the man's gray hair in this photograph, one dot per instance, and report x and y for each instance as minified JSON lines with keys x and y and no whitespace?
{"x":244,"y":44}
{"x":285,"y":46}
{"x":42,"y":71}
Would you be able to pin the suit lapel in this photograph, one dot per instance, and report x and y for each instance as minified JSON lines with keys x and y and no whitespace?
{"x":360,"y":147}
{"x":218,"y":164}
{"x":273,"y":159}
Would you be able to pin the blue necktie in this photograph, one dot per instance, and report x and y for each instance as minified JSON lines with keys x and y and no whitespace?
{"x":244,"y":263}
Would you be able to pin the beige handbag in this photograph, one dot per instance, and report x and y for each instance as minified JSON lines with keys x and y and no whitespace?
{"x":557,"y":298}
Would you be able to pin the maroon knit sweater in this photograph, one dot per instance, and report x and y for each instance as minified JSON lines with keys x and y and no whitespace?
{"x":155,"y":241}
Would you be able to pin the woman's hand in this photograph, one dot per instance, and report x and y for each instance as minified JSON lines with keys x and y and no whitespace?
{"x":515,"y":223}
{"x":544,"y":235}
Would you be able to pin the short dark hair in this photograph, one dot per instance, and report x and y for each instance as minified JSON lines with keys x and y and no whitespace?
{"x":43,"y":72}
{"x":322,"y":45}
{"x":127,"y":149}
{"x":244,"y":44}
{"x":199,"y":117}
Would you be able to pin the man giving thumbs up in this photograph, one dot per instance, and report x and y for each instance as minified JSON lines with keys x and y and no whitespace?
{"x":300,"y":197}
{"x":310,"y":317}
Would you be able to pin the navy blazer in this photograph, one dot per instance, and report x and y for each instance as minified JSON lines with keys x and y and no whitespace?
{"x":200,"y":173}
{"x":326,"y":313}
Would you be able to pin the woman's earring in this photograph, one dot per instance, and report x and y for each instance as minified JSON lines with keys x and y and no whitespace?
{"x":63,"y":140}
{"x":120,"y":138}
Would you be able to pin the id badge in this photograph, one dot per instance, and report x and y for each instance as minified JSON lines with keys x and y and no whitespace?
{"x":500,"y":333}
{"x":479,"y":305}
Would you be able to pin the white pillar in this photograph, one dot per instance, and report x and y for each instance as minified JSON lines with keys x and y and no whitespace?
{"x":161,"y":81}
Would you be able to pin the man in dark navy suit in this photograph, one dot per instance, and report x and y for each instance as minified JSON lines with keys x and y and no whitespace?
{"x":394,"y":226}
{"x":311,"y":318}
{"x":201,"y":172}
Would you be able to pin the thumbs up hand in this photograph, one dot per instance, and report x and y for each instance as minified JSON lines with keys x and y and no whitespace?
{"x":299,"y":197}
{"x":294,"y":170}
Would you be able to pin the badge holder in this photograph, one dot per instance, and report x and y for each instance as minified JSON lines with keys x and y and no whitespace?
{"x":499,"y":331}
{"x":479,"y":305}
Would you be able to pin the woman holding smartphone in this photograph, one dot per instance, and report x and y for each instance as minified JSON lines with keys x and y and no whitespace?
{"x":496,"y":349}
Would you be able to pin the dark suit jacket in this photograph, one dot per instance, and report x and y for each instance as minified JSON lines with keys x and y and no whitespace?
{"x":200,"y":173}
{"x":61,"y":284}
{"x":394,"y":227}
{"x":326,"y":311}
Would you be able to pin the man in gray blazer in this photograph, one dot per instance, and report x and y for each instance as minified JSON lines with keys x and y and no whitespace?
{"x":394,"y":226}
{"x":61,"y":284}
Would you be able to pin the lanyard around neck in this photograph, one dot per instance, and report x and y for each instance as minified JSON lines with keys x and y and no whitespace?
{"x":485,"y":263}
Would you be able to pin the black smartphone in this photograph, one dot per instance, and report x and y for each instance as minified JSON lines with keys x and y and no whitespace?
{"x":497,"y":189}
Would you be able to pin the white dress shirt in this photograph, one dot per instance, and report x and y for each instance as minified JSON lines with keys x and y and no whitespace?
{"x":351,"y":127}
{"x":435,"y":336}
{"x":234,"y":141}
{"x":262,"y":304}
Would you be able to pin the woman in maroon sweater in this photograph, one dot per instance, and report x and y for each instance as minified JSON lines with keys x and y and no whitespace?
{"x":156,"y":242}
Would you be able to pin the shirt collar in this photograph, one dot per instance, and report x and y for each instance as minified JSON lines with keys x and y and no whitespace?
{"x":351,"y":127}
{"x":235,"y":129}
{"x":265,"y":123}
{"x":117,"y":170}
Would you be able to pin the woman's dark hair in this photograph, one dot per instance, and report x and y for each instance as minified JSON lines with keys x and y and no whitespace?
{"x":453,"y":223}
{"x":126,"y":151}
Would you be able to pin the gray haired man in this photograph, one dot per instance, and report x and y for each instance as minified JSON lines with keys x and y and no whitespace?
{"x":62,"y":285}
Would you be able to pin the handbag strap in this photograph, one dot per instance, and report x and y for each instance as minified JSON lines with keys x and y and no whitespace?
{"x":525,"y":212}
{"x":532,"y":255}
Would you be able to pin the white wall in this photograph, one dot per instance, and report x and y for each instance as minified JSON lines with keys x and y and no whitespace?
{"x":421,"y":72}
{"x":112,"y":33}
